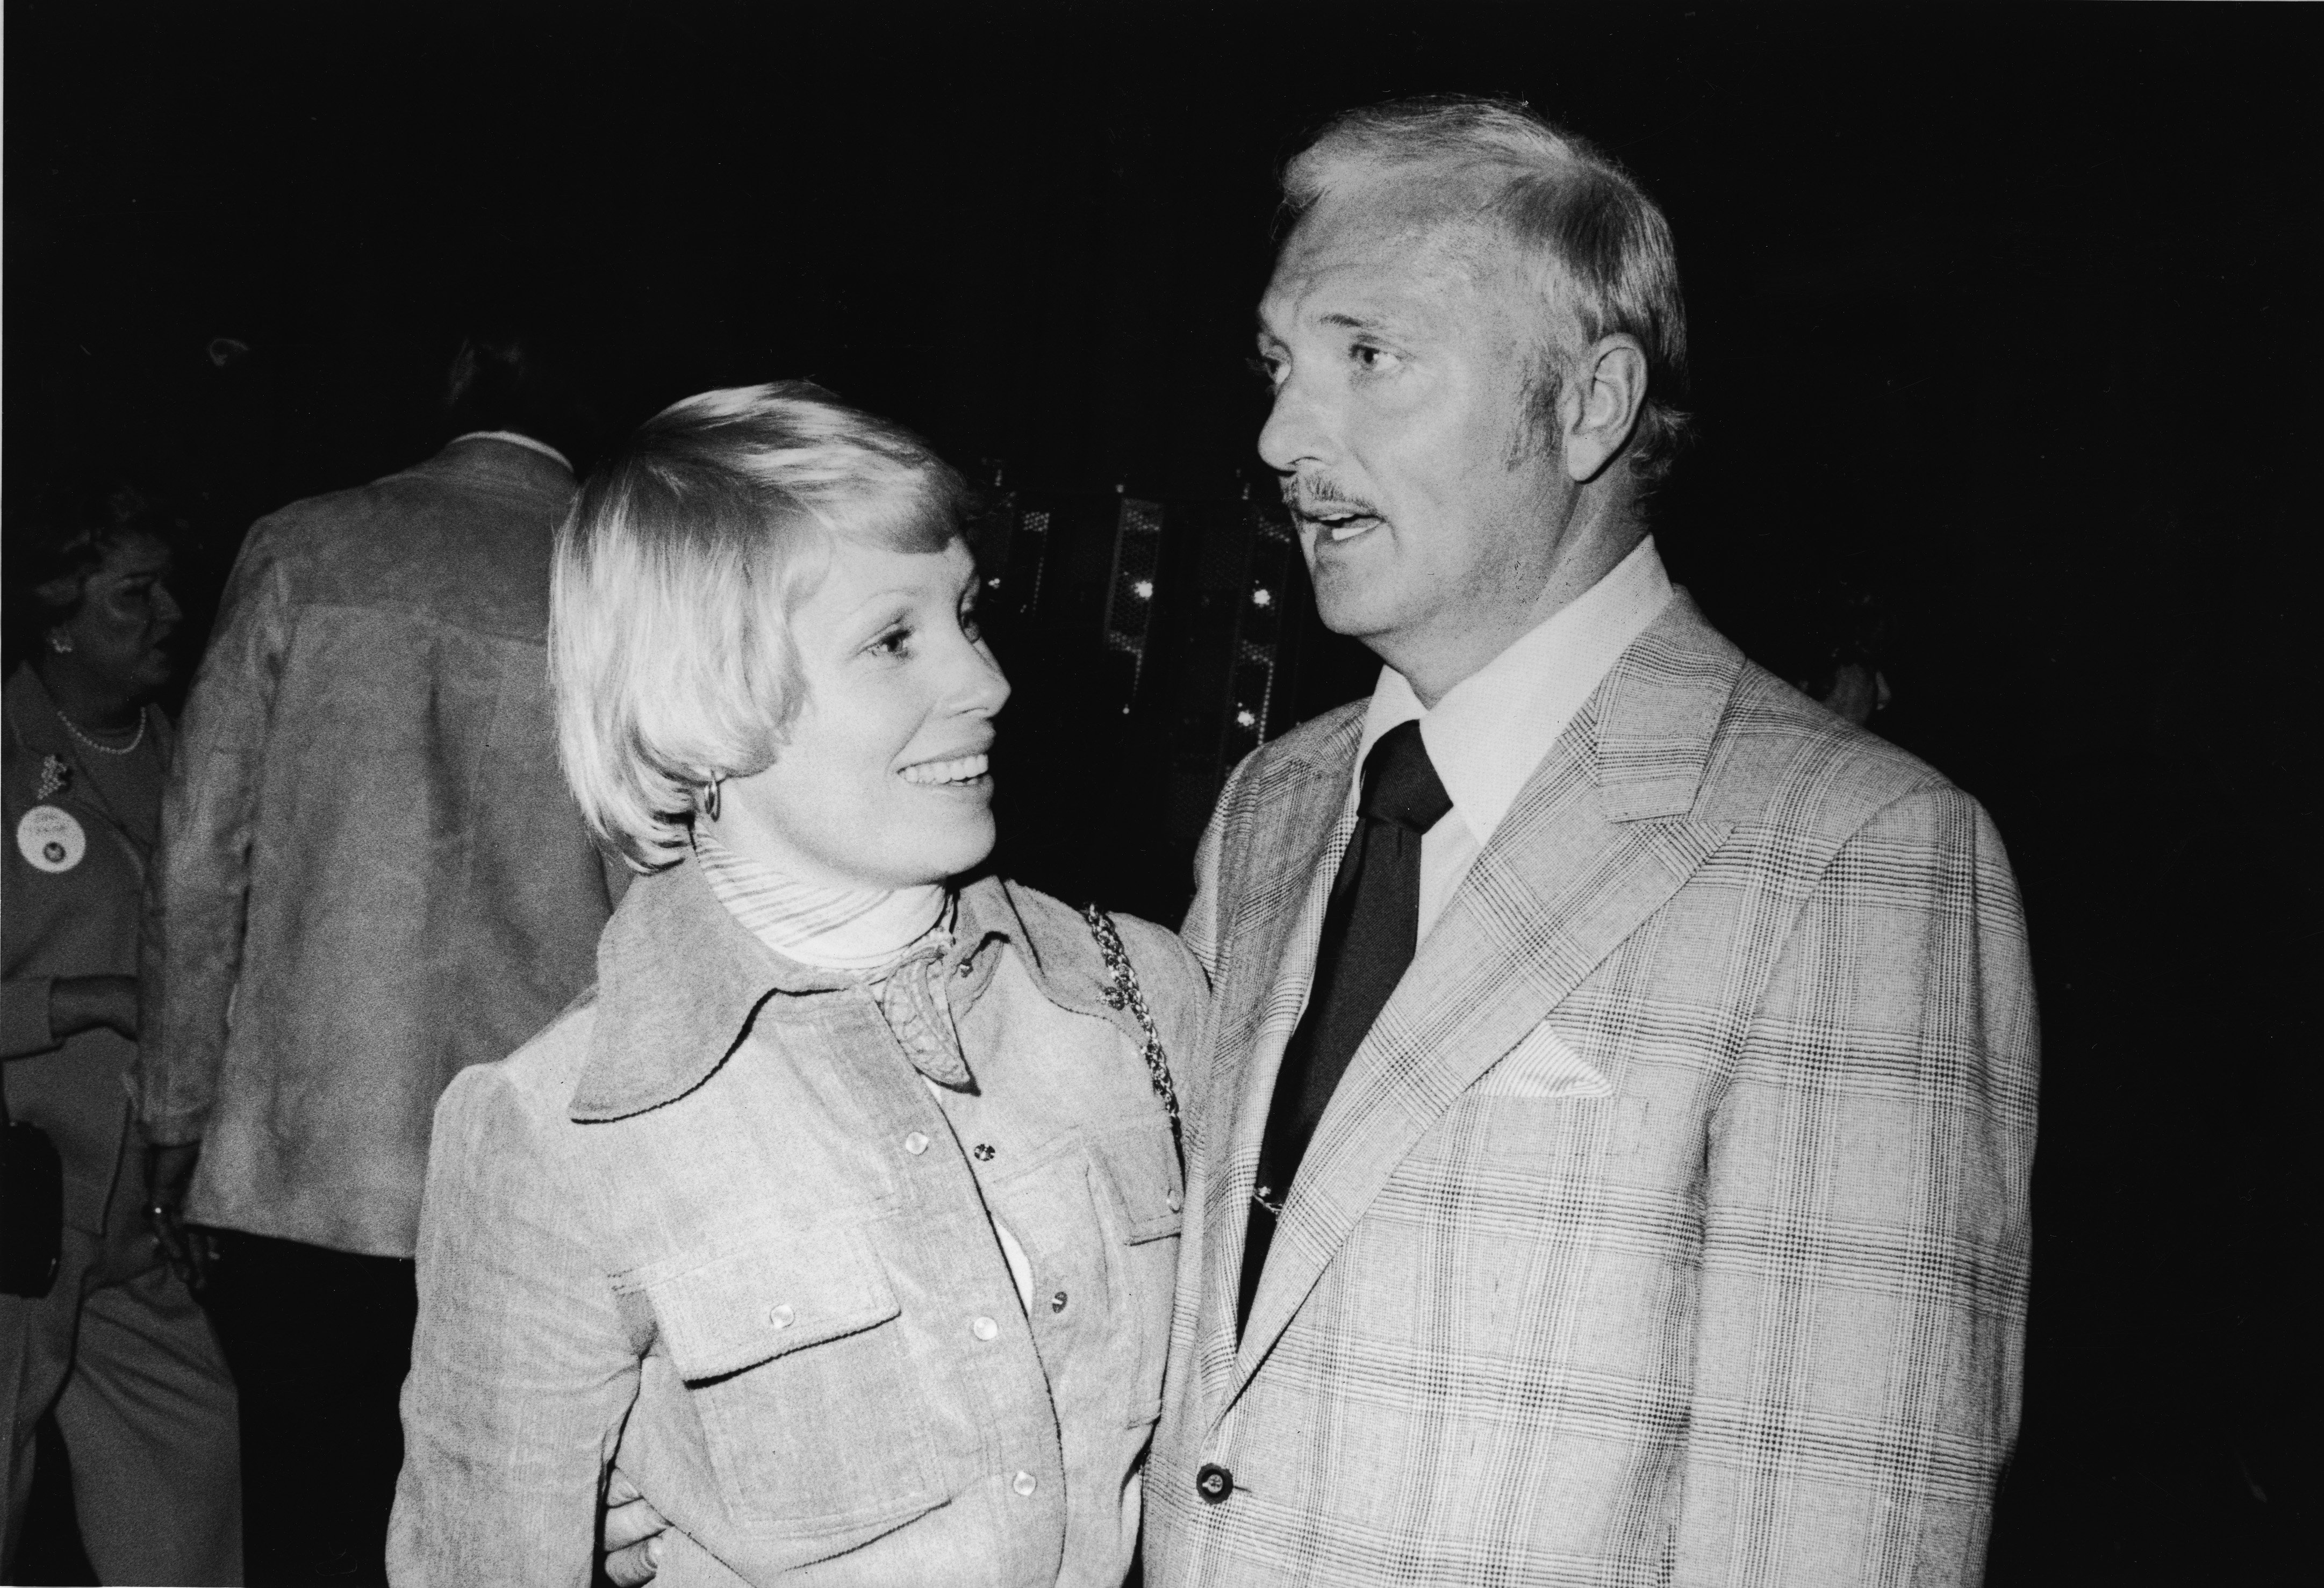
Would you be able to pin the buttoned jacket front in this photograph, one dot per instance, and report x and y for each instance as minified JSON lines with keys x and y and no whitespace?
{"x":714,"y":1219}
{"x":1670,"y":1226}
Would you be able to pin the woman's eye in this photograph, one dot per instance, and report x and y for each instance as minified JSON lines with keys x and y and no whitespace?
{"x":1269,"y":370}
{"x":1367,"y":357}
{"x":894,"y":642}
{"x":972,"y":626}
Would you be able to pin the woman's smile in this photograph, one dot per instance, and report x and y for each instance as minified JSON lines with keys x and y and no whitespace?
{"x":967,"y":773}
{"x":883,"y":780}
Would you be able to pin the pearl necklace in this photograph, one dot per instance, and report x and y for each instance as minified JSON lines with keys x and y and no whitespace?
{"x":135,"y":740}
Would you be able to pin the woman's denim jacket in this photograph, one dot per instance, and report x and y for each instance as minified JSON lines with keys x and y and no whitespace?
{"x":712,"y":1221}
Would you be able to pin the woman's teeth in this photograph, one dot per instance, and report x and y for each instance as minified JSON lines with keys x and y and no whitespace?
{"x":960,"y":768}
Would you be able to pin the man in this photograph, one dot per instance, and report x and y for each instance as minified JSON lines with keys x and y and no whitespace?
{"x":371,"y":876}
{"x":1609,"y":1158}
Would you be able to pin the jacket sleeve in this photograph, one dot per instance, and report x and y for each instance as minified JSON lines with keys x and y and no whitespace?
{"x":197,"y":891}
{"x":24,"y":1018}
{"x":1861,"y":1321}
{"x":521,"y":1368}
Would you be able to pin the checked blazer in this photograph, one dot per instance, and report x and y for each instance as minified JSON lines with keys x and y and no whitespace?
{"x":1671,"y":1224}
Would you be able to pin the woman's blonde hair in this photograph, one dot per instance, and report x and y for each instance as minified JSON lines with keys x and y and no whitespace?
{"x":676,"y":575}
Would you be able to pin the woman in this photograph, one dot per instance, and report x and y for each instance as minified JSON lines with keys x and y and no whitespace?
{"x":117,"y":1347}
{"x":843,"y":1214}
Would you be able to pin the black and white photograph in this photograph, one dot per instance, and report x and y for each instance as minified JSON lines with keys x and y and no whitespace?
{"x":1085,"y":794}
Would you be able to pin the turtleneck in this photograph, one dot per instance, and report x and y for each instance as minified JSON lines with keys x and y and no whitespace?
{"x":830,"y":929}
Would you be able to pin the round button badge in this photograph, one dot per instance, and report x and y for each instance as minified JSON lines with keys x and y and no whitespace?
{"x":50,"y":839}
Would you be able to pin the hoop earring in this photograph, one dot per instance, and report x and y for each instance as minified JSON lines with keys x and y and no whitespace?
{"x":708,"y":803}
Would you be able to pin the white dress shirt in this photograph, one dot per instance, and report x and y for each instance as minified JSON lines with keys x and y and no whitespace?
{"x":1492,"y":728}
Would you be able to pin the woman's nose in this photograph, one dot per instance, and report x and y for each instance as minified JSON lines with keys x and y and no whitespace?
{"x":983,"y":687}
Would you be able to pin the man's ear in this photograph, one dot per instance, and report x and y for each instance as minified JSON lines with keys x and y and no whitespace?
{"x":1602,"y":404}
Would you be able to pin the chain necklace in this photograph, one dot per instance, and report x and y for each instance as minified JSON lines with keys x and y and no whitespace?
{"x":135,"y":739}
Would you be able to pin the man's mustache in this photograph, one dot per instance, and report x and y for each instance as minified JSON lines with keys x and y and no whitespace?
{"x":1314,"y":495}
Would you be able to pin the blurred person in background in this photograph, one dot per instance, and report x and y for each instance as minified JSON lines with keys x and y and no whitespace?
{"x":371,"y":876}
{"x":116,"y":1346}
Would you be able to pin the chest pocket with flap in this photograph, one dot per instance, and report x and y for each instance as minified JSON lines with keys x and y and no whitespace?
{"x":1144,"y":1168}
{"x":792,"y":1355}
{"x":1150,"y":1198}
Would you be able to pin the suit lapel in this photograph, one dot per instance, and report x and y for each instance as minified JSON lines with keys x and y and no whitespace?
{"x":1600,"y":839}
{"x":1283,"y":876}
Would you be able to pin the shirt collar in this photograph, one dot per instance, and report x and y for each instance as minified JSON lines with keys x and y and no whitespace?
{"x":680,"y":981}
{"x":515,"y":439}
{"x":1491,"y":730}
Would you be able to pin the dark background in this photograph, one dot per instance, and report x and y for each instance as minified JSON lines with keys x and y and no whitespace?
{"x":2004,"y":323}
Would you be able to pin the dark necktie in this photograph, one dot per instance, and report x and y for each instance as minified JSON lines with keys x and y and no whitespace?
{"x":1371,"y":927}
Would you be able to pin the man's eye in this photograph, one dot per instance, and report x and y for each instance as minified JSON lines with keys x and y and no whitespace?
{"x":1269,"y":370}
{"x":1367,"y":357}
{"x":972,"y":625}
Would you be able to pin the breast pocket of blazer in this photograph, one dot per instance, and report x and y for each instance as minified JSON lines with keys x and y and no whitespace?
{"x":793,"y":1358}
{"x":1543,"y":1064}
{"x":1538,"y":1105}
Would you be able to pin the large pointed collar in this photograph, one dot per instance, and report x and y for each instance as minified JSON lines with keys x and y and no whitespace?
{"x":680,"y":981}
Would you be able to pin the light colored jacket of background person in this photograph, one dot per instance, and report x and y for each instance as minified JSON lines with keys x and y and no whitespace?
{"x":714,"y":1220}
{"x":79,"y":921}
{"x":371,"y":875}
{"x":1671,"y":1225}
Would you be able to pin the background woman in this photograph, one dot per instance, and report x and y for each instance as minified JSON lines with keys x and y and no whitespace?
{"x":117,"y":1347}
{"x":846,"y":1211}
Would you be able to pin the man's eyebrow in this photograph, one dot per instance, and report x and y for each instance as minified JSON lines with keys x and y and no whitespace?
{"x":1343,"y":320}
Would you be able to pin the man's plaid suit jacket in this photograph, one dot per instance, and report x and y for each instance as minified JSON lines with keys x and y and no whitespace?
{"x":1671,"y":1225}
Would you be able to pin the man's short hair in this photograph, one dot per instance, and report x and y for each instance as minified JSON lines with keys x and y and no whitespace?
{"x":676,"y":572}
{"x":513,"y":367}
{"x":1564,"y":204}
